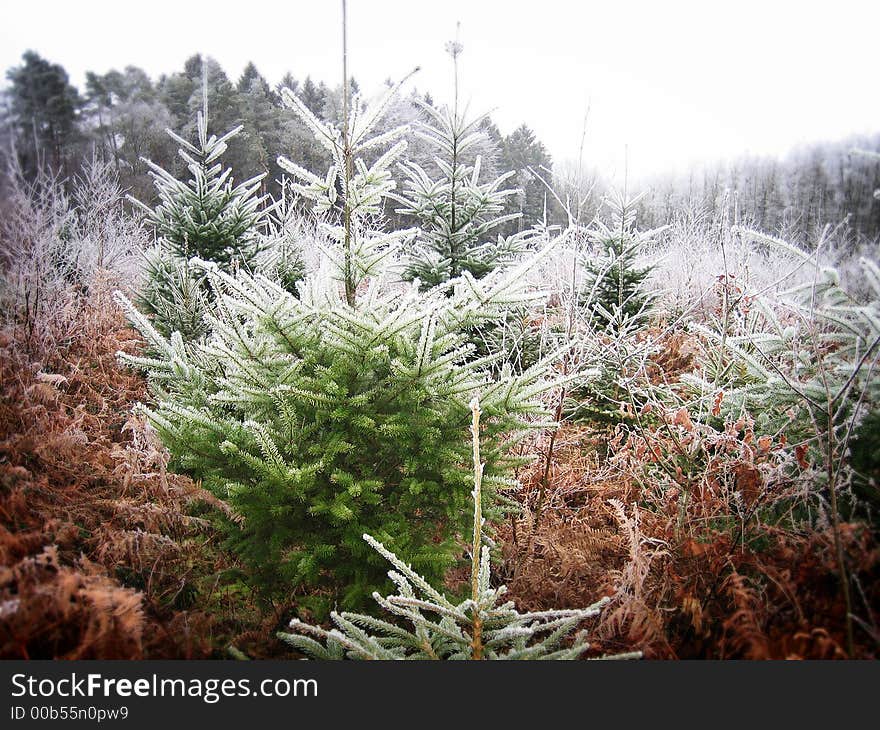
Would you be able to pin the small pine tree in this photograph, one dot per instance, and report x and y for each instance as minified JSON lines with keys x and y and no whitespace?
{"x":174,"y":293}
{"x":479,"y":627}
{"x":341,"y":411}
{"x":207,"y":217}
{"x":613,"y":308}
{"x":281,"y":255}
{"x":457,"y":213}
{"x":614,"y":288}
{"x":351,"y":192}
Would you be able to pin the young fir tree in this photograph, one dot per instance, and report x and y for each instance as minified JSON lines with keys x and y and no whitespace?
{"x":341,"y":412}
{"x":456,"y":212}
{"x":206,"y":217}
{"x":351,"y":193}
{"x":615,"y":284}
{"x":424,"y":624}
{"x":613,"y":308}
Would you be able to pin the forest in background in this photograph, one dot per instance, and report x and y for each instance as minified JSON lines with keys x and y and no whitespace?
{"x":121,"y":116}
{"x":214,"y":386}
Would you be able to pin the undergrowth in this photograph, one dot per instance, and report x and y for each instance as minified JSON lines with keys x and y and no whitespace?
{"x":103,"y":553}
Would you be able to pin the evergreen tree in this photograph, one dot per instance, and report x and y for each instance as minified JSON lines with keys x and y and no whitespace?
{"x":322,"y":417}
{"x":263,"y":128}
{"x":613,"y":306}
{"x":128,"y":121}
{"x":351,"y":192}
{"x":208,"y":218}
{"x":457,"y":213}
{"x":313,"y":96}
{"x":44,"y":106}
{"x":480,"y":627}
{"x":523,"y":152}
{"x":614,"y":288}
{"x":177,"y":89}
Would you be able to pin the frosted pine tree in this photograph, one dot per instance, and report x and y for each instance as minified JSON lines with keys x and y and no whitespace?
{"x":615,"y":287}
{"x":281,"y":256}
{"x":341,"y":411}
{"x":350,"y":192}
{"x":614,"y":306}
{"x":207,"y":217}
{"x":422,"y":623}
{"x":457,"y":212}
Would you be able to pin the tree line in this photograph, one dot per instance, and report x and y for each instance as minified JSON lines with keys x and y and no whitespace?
{"x":121,"y":117}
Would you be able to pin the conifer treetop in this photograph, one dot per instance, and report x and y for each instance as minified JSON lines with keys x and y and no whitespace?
{"x":457,"y":213}
{"x":208,"y":216}
{"x":367,"y":187}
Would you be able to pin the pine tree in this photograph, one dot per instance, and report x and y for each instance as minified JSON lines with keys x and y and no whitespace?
{"x":321,"y":417}
{"x":523,"y":152}
{"x":351,"y":192}
{"x":457,"y":213}
{"x":317,"y":421}
{"x":207,"y":217}
{"x":614,"y":288}
{"x":480,"y":627}
{"x":614,"y":306}
{"x":44,"y":107}
{"x":281,"y":255}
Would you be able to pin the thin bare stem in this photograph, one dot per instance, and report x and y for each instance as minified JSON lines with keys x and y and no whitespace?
{"x":477,"y":641}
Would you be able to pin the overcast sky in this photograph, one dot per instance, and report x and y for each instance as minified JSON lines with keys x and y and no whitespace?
{"x":669,"y":81}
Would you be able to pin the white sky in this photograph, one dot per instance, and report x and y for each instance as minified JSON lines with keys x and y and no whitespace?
{"x":671,"y":81}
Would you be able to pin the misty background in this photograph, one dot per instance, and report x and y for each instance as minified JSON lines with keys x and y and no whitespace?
{"x":690,"y":102}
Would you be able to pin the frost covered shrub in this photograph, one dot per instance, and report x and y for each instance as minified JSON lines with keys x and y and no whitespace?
{"x":340,"y":411}
{"x":318,"y":421}
{"x":55,"y":237}
{"x":802,"y":359}
{"x":422,"y":623}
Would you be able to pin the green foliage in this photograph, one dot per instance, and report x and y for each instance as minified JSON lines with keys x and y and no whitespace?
{"x":208,"y":218}
{"x":174,"y":293}
{"x":480,"y":627}
{"x":456,"y":212}
{"x":340,"y":411}
{"x":280,"y":257}
{"x":318,"y":422}
{"x":613,"y":307}
{"x":523,"y":152}
{"x":865,"y":459}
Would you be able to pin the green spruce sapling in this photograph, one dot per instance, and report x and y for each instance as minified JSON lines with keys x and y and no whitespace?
{"x":206,"y":217}
{"x":457,"y":214}
{"x":340,"y":412}
{"x":615,"y":282}
{"x":422,"y":623}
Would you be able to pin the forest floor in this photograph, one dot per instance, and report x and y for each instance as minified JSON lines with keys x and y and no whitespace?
{"x":104,"y":553}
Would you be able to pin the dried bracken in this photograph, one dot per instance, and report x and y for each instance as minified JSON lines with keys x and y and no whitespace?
{"x":101,"y":554}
